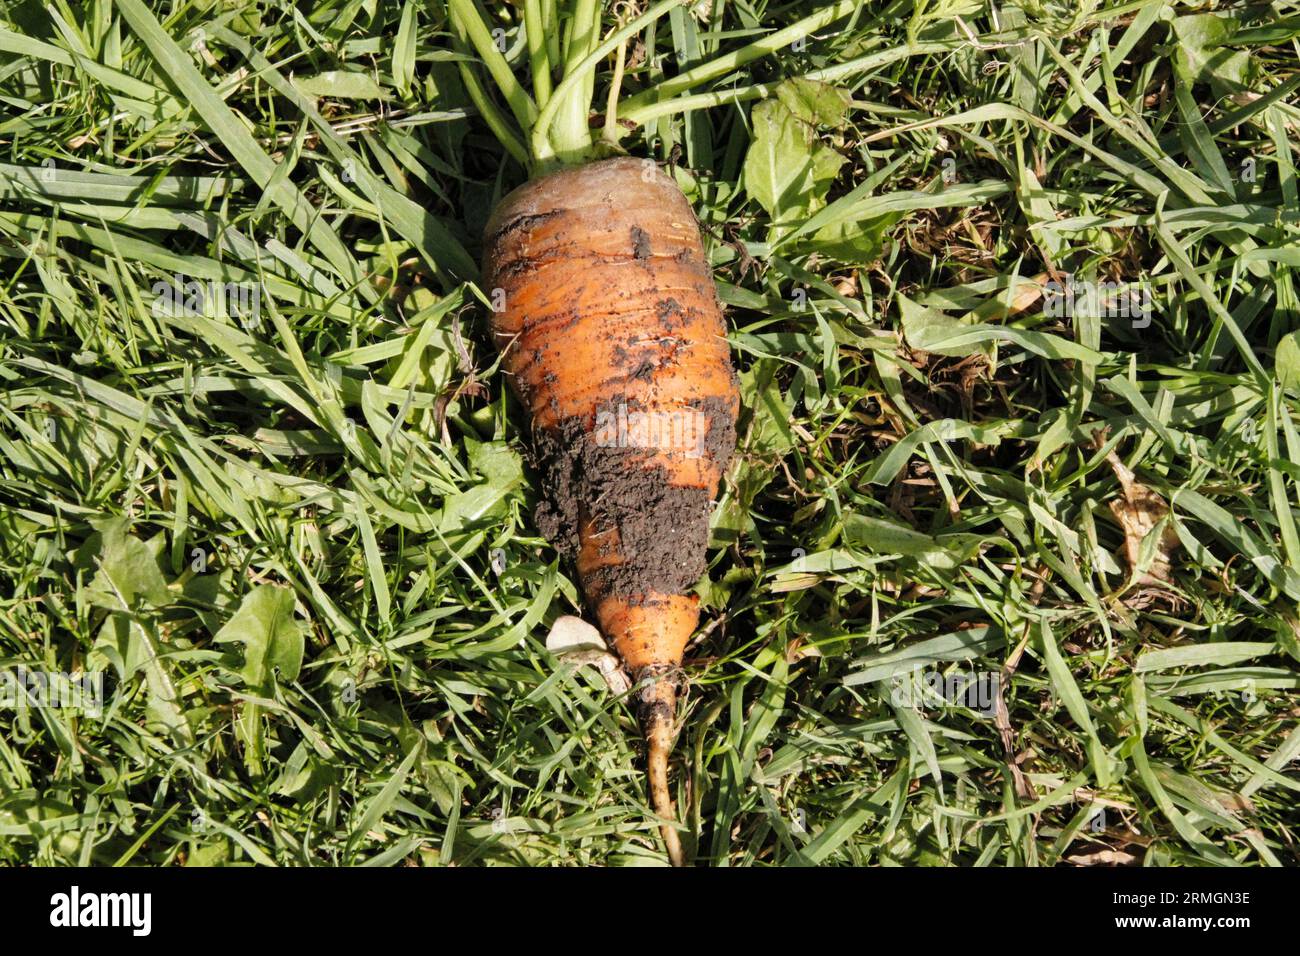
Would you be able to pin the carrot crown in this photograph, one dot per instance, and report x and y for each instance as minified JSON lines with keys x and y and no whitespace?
{"x":550,"y":127}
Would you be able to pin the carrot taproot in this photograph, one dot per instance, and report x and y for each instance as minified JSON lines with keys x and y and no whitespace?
{"x":610,"y":330}
{"x":613,"y":339}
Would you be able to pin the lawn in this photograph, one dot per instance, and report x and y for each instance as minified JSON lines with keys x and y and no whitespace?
{"x":1006,"y":570}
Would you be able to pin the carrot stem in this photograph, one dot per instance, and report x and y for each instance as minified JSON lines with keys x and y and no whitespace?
{"x":555,"y":123}
{"x":538,"y":57}
{"x":639,"y":116}
{"x":551,"y":24}
{"x":466,"y":17}
{"x":722,"y":65}
{"x":497,"y":121}
{"x":543,"y":146}
{"x":571,"y":137}
{"x":611,"y":105}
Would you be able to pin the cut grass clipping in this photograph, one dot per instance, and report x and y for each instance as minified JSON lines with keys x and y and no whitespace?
{"x":971,"y":521}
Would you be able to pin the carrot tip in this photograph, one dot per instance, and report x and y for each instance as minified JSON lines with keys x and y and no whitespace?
{"x":658,"y":705}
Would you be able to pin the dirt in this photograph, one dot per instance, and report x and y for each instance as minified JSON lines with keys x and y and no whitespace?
{"x":645,"y":370}
{"x":661,"y":526}
{"x":670,"y":314}
{"x":653,"y":708}
{"x":720,"y":438}
{"x":640,"y":243}
{"x":525,"y":222}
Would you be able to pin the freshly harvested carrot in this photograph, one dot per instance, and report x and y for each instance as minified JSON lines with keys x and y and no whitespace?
{"x":613,"y":339}
{"x":610,"y":330}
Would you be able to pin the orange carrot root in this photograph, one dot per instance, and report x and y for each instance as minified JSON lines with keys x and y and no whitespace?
{"x":613,"y":339}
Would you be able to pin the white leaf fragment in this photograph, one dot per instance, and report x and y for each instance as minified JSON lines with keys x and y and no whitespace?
{"x":570,"y":633}
{"x":578,"y":643}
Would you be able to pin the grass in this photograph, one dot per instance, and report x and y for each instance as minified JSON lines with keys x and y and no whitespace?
{"x":297,"y":540}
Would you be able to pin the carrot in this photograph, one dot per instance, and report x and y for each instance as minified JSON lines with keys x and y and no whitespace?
{"x":613,"y":339}
{"x":611,"y":332}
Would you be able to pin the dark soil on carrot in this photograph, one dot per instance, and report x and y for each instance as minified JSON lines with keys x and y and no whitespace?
{"x":660,"y":525}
